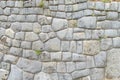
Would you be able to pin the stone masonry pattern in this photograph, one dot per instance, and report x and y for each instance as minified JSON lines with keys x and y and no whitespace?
{"x":63,"y":40}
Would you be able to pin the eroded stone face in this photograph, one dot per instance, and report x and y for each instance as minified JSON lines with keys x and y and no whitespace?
{"x":91,"y":47}
{"x":113,"y":64}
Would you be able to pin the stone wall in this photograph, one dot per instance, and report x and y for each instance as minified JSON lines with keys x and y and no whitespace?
{"x":63,"y":40}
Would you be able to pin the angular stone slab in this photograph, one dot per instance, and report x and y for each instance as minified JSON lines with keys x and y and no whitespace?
{"x":113,"y":63}
{"x":91,"y":47}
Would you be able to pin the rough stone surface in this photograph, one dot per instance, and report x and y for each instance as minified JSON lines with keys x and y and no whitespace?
{"x":91,"y":47}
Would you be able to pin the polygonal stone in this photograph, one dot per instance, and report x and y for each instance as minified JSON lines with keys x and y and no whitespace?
{"x":30,"y":36}
{"x":29,"y":65}
{"x":61,"y":67}
{"x":116,"y":42}
{"x":81,"y":73}
{"x":10,"y":59}
{"x":113,"y":64}
{"x":49,"y":67}
{"x":59,"y":24}
{"x":16,"y":51}
{"x":70,"y":66}
{"x":27,"y":76}
{"x":91,"y":47}
{"x":10,"y":33}
{"x":42,"y":76}
{"x":100,"y":59}
{"x":3,"y":74}
{"x":15,"y":71}
{"x":38,"y":45}
{"x":52,"y":45}
{"x":87,"y":22}
{"x":57,"y":56}
{"x":78,"y":57}
{"x":106,"y":44}
{"x":97,"y":74}
{"x":30,"y":54}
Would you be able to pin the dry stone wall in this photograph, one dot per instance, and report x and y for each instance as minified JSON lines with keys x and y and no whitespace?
{"x":63,"y":40}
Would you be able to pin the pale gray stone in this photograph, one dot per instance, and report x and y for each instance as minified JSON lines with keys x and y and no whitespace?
{"x":88,"y":34}
{"x":29,"y":65}
{"x":16,"y":43}
{"x":90,"y":62}
{"x":26,"y":45}
{"x":10,"y":59}
{"x":111,"y":33}
{"x":91,"y":47}
{"x":76,"y":16}
{"x":67,"y":56}
{"x":87,"y":22}
{"x":61,"y":67}
{"x":42,"y":76}
{"x":43,"y":20}
{"x":79,"y":47}
{"x":45,"y":56}
{"x":60,"y":23}
{"x":15,"y":71}
{"x":80,"y":65}
{"x":78,"y":57}
{"x":5,"y":66}
{"x":16,"y":51}
{"x":97,"y":34}
{"x":116,"y":42}
{"x":81,"y":73}
{"x":46,"y":28}
{"x":16,"y":26}
{"x":30,"y":36}
{"x":19,"y":4}
{"x":7,"y":11}
{"x":31,"y":18}
{"x":113,"y":61}
{"x":37,"y":45}
{"x":70,"y":66}
{"x":3,"y":74}
{"x":73,"y":46}
{"x":56,"y":56}
{"x":36,"y":28}
{"x":52,"y":35}
{"x":20,"y":35}
{"x":10,"y":3}
{"x":30,"y":54}
{"x":27,"y":76}
{"x":114,"y":6}
{"x":1,"y":56}
{"x":62,"y":33}
{"x":79,"y":36}
{"x":54,"y":76}
{"x":52,"y":45}
{"x":65,"y":46}
{"x":44,"y":37}
{"x":106,"y":44}
{"x":100,"y":6}
{"x":49,"y":67}
{"x":2,"y":32}
{"x":27,"y":26}
{"x":64,"y":76}
{"x":10,"y":33}
{"x":100,"y":59}
{"x":112,"y":15}
{"x":82,"y":6}
{"x":97,"y":74}
{"x":3,"y":4}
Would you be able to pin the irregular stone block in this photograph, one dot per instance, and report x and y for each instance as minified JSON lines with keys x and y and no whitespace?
{"x":91,"y":47}
{"x":87,"y":22}
{"x":15,"y":71}
{"x":29,"y":65}
{"x":52,"y":45}
{"x":59,"y":24}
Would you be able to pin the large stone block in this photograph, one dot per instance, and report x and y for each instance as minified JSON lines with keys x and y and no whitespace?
{"x":59,"y":24}
{"x":29,"y":65}
{"x":113,"y":64}
{"x":87,"y":22}
{"x":91,"y":47}
{"x":52,"y":45}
